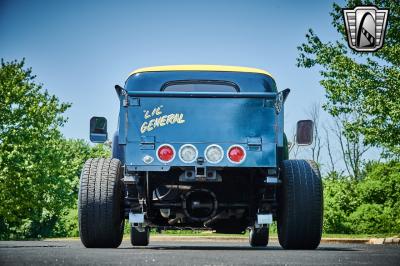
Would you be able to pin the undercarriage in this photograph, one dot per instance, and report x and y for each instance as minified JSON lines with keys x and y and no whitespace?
{"x":226,"y":200}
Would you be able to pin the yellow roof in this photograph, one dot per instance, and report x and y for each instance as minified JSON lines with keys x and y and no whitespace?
{"x":201,"y":68}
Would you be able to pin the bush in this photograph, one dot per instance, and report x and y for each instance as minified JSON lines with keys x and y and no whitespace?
{"x":339,"y":202}
{"x":368,"y":206}
{"x":371,"y":219}
{"x":67,"y":225}
{"x":58,"y":216}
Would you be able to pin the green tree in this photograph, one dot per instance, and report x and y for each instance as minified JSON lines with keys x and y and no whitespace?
{"x":30,"y":165}
{"x":365,"y":84}
{"x":39,"y":168}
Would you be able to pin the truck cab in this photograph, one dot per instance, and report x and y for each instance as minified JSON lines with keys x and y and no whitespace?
{"x":200,"y":147}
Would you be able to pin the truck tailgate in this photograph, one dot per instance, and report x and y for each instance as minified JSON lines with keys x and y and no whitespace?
{"x":201,"y":119}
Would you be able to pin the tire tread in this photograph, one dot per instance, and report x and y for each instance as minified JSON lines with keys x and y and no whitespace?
{"x":99,"y":206}
{"x":300,"y":211}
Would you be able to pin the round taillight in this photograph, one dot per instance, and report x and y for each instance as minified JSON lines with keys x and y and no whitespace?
{"x":236,"y":154}
{"x":214,"y":153}
{"x":165,"y":153}
{"x":188,"y":153}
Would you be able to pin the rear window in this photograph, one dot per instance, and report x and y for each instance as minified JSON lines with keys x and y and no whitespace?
{"x":156,"y":81}
{"x":200,"y":86}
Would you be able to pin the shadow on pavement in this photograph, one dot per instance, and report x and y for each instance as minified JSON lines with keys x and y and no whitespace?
{"x":275,"y":248}
{"x":31,"y":246}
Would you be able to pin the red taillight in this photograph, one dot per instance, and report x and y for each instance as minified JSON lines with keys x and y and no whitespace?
{"x":236,"y":154}
{"x":166,"y":153}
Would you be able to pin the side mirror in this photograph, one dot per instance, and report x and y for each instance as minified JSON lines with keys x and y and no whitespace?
{"x":98,"y":129}
{"x":304,"y":132}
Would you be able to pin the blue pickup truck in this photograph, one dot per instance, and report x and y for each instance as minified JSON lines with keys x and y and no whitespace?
{"x":200,"y":146}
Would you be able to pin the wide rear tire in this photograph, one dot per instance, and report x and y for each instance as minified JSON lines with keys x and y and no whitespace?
{"x":100,"y":211}
{"x":300,"y":210}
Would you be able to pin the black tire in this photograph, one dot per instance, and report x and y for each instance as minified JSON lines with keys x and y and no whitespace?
{"x":300,"y":210}
{"x":259,"y":237}
{"x":140,"y":238}
{"x":100,"y":211}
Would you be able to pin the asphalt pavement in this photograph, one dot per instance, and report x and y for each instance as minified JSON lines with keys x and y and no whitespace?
{"x":72,"y":252}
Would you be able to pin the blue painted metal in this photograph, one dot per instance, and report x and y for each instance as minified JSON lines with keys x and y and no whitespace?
{"x":207,"y":120}
{"x":149,"y":119}
{"x":118,"y":150}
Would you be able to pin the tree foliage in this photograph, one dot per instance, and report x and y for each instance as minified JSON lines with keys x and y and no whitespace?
{"x":371,"y":205}
{"x":339,"y":203}
{"x":31,"y":178}
{"x":39,"y":169}
{"x":365,"y":84}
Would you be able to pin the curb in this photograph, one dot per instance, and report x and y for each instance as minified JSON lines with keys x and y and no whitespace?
{"x":385,"y":241}
{"x":345,"y":240}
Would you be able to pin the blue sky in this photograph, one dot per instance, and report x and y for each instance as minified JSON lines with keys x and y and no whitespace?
{"x":80,"y":49}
